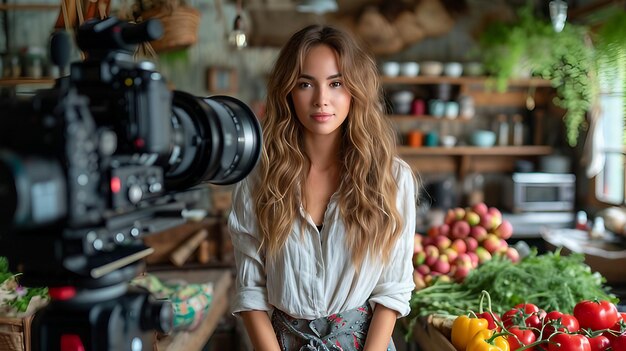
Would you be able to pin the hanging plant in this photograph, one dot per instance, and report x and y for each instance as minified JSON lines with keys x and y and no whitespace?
{"x":531,"y":44}
{"x":611,"y":57}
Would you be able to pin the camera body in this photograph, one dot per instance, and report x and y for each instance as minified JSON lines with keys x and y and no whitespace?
{"x":88,"y":167}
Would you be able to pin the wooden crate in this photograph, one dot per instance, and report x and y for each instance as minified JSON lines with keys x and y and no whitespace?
{"x":431,"y":335}
{"x":15,"y":334}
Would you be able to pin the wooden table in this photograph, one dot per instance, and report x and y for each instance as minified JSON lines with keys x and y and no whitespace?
{"x":196,"y":339}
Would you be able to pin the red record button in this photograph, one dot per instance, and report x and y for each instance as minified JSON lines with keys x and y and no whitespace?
{"x":71,"y":342}
{"x":62,"y":293}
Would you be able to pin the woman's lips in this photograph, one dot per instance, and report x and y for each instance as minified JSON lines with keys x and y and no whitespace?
{"x":321,"y":117}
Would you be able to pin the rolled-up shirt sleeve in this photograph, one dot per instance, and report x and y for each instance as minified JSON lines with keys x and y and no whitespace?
{"x":250,"y":281}
{"x":395,"y":284}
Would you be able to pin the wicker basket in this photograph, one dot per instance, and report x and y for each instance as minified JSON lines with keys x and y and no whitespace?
{"x":15,"y":334}
{"x":180,"y":26}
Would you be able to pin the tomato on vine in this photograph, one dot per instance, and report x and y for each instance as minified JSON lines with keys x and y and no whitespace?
{"x":529,"y":313}
{"x":569,"y":342}
{"x":520,"y":338}
{"x":555,"y":320}
{"x":596,"y":315}
{"x":599,"y":343}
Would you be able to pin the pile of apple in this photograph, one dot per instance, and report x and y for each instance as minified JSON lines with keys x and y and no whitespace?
{"x":468,"y":237}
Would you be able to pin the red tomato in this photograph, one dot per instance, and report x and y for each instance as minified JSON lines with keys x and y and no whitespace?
{"x":596,"y":314}
{"x":599,"y":343}
{"x":556,"y":320}
{"x":491,"y":318}
{"x":569,"y":342}
{"x":524,"y":337}
{"x":619,"y":343}
{"x":619,"y":328}
{"x":529,"y":313}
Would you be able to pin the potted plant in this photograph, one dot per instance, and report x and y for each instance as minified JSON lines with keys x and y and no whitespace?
{"x":530,"y":44}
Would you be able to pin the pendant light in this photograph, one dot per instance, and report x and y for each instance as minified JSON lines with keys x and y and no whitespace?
{"x":237,"y":37}
{"x":558,"y":14}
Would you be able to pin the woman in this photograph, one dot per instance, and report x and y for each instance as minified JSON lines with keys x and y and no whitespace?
{"x":323,"y":230}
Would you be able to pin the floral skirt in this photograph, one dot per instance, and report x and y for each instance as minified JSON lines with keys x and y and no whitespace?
{"x":344,"y":331}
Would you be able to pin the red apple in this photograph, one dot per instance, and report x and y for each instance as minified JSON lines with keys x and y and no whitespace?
{"x":459,"y":245}
{"x":496,"y":217}
{"x":427,"y":240}
{"x":460,"y":229}
{"x":459,"y":212}
{"x":419,"y":258}
{"x":512,"y":254}
{"x":417,"y":244}
{"x":485,"y":221}
{"x":463,"y":260}
{"x":483,"y":254}
{"x":442,"y":242}
{"x":480,"y":208}
{"x":418,"y":280}
{"x":491,"y":243}
{"x":423,"y":269}
{"x":478,"y":232}
{"x":432,"y":253}
{"x":450,"y":216}
{"x":433,"y":231}
{"x":474,"y":257}
{"x":471,"y":243}
{"x":461,"y":272}
{"x":504,"y":230}
{"x":451,"y":253}
{"x":441,"y":265}
{"x":444,"y":229}
{"x":472,"y":218}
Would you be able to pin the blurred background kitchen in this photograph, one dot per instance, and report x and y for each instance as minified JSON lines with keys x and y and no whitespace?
{"x":518,"y":104}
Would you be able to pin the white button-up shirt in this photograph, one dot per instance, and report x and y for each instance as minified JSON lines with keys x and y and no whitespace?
{"x":313,"y":275}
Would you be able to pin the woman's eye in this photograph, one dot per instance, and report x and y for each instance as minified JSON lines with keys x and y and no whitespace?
{"x":336,"y":84}
{"x":304,"y":85}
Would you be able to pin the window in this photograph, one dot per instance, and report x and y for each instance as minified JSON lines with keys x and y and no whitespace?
{"x":610,"y":182}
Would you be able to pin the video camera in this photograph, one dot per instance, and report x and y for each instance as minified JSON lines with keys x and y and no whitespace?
{"x":88,"y":167}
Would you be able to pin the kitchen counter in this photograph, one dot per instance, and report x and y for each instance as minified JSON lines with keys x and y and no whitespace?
{"x":530,"y":225}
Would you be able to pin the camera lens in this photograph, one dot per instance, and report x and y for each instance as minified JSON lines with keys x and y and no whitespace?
{"x":215,"y":139}
{"x":32,"y":190}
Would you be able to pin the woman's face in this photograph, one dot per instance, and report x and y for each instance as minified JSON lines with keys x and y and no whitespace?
{"x":320,"y":98}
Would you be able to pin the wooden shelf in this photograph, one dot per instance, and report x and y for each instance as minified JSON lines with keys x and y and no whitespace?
{"x":10,"y":82}
{"x":27,"y":7}
{"x":463,"y":160}
{"x":536,"y":82}
{"x":196,"y":339}
{"x":426,"y":118}
{"x":530,"y":150}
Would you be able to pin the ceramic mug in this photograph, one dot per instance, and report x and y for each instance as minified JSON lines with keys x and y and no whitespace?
{"x":418,"y":108}
{"x":415,"y":138}
{"x":431,"y":139}
{"x":436,"y":107}
{"x":452,"y":109}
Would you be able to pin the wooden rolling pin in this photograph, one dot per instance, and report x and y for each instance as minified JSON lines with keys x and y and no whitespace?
{"x":182,"y":253}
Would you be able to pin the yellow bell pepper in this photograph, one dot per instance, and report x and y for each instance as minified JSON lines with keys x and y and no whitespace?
{"x":481,"y":342}
{"x":464,"y":328}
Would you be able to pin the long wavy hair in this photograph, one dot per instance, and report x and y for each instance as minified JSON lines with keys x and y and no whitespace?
{"x":367,"y":190}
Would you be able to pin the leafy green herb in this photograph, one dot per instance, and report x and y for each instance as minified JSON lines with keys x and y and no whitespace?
{"x":23,"y":295}
{"x":550,"y":281}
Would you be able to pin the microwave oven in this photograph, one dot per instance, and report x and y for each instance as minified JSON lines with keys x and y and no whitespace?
{"x":533,"y":192}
